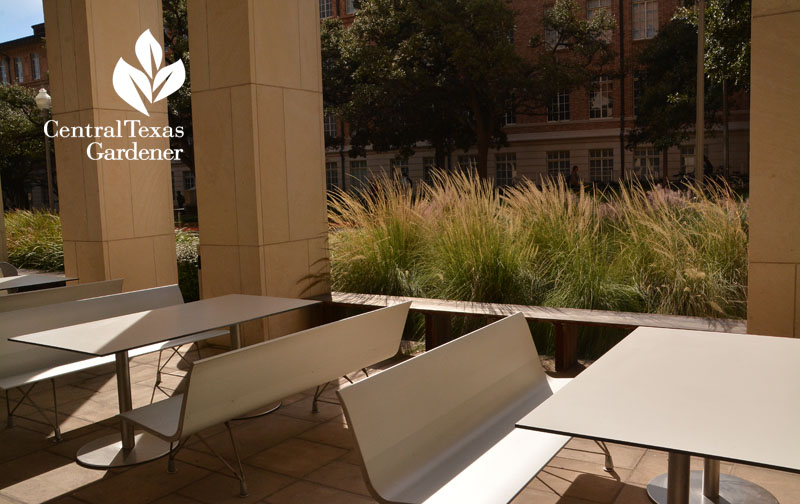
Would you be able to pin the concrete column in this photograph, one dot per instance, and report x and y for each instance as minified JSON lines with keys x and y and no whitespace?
{"x":116,"y":215}
{"x":259,"y":151}
{"x":773,"y":305}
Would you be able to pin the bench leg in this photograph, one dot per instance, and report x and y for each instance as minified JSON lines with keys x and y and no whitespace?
{"x":317,"y":393}
{"x":566,"y":346}
{"x":239,"y":473}
{"x":242,"y":481}
{"x":9,"y":415}
{"x":437,"y":329}
{"x":27,"y":398}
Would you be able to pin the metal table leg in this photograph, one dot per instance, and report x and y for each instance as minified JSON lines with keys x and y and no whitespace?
{"x":709,"y":487}
{"x":128,"y":448}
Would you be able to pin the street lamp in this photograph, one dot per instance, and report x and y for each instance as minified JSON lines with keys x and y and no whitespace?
{"x":43,"y":103}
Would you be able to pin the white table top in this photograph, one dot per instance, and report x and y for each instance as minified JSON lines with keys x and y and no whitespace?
{"x":14,"y":282}
{"x":735,"y":397}
{"x":126,"y":332}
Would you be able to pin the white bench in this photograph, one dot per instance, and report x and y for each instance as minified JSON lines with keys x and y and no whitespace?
{"x":439,"y":428}
{"x":228,"y":386}
{"x":23,"y":366}
{"x":32,"y":299}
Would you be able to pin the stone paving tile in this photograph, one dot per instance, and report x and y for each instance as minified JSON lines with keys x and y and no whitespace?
{"x":292,"y":456}
{"x":302,"y":409}
{"x":140,"y":485}
{"x":783,"y":485}
{"x":53,"y":483}
{"x":340,"y":475}
{"x":587,"y":450}
{"x":296,"y":457}
{"x":333,"y":432}
{"x":304,"y":492}
{"x":218,"y":488}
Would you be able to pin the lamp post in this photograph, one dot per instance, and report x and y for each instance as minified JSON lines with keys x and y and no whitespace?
{"x":699,"y":149}
{"x":43,"y":103}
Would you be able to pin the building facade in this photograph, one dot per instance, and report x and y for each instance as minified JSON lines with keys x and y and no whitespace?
{"x":583,"y":128}
{"x":23,"y":61}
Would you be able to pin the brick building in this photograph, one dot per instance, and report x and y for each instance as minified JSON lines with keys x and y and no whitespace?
{"x":24,"y":60}
{"x":582,"y":128}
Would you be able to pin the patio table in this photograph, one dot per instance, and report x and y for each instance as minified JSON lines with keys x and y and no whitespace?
{"x":118,"y":335}
{"x":33,"y":281}
{"x":732,"y":397}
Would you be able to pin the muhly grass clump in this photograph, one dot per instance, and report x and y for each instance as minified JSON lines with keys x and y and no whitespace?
{"x":34,"y":240}
{"x":656,"y":251}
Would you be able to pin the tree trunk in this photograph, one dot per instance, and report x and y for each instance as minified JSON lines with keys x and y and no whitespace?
{"x":482,"y":138}
{"x":726,"y":170}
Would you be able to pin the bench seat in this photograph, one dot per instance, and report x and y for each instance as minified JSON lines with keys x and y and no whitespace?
{"x":23,"y":365}
{"x":228,"y":386}
{"x":439,"y":428}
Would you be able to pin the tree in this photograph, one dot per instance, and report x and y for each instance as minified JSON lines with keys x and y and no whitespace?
{"x":447,"y":72}
{"x":22,"y":150}
{"x":666,"y":112}
{"x":179,"y":104}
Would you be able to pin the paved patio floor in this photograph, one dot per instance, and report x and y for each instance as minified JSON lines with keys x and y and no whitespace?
{"x":290,"y":456}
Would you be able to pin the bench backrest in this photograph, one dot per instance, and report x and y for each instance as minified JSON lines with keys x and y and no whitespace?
{"x":232,"y":384}
{"x":32,"y":299}
{"x":407,"y":419}
{"x":42,"y":318}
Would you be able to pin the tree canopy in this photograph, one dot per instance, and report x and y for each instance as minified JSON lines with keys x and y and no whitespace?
{"x":22,"y":149}
{"x":666,"y":113}
{"x":448,"y":72}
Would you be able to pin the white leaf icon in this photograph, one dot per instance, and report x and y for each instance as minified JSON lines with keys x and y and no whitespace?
{"x":125,"y":76}
{"x":146,"y":46}
{"x":174,"y":75}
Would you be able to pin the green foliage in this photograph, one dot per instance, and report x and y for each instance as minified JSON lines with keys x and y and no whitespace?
{"x":186,"y":243}
{"x":34,"y":240}
{"x":22,"y":149}
{"x":656,"y":251}
{"x":667,"y":114}
{"x":179,"y":103}
{"x":446,"y":72}
{"x":727,"y":26}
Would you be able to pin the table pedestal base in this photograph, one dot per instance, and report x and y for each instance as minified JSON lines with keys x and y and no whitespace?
{"x":732,"y":490}
{"x":107,"y":452}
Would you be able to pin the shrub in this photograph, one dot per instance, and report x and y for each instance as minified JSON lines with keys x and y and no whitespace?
{"x":34,"y":240}
{"x":186,"y":243}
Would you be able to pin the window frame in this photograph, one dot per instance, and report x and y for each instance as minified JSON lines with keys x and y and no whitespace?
{"x":601,"y":165}
{"x":331,"y":175}
{"x":647,"y":163}
{"x":556,"y":163}
{"x":325,"y":9}
{"x":561,"y":103}
{"x":508,"y":162}
{"x":604,"y":86}
{"x":646,"y":8}
{"x":18,"y":69}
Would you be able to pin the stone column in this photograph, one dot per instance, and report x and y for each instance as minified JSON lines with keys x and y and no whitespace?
{"x":773,"y":305}
{"x":259,"y":151}
{"x":116,"y":215}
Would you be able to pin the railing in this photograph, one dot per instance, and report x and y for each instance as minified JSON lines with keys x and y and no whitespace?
{"x":565,"y":320}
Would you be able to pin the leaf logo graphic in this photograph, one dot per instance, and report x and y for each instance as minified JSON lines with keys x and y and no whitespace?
{"x":129,"y":82}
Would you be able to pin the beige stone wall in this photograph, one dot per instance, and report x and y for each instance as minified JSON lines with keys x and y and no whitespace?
{"x":774,"y":277}
{"x":257,"y":113}
{"x":116,"y":215}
